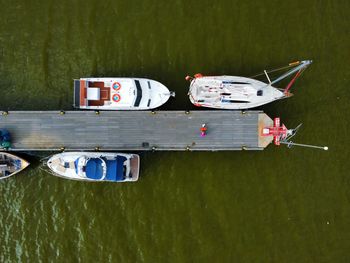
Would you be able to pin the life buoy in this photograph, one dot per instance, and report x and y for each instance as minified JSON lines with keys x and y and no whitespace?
{"x":116,"y":97}
{"x":116,"y":86}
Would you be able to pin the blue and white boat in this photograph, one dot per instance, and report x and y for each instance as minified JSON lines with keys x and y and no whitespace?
{"x":96,"y":166}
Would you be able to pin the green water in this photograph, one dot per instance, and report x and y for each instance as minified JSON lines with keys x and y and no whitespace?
{"x":279,"y":205}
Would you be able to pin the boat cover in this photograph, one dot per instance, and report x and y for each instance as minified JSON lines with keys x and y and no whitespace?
{"x":115,"y":169}
{"x":94,"y":169}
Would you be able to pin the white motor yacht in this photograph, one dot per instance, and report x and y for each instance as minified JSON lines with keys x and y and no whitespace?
{"x":119,"y":94}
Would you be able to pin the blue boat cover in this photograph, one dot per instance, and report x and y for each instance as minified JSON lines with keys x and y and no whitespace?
{"x":93,"y":169}
{"x":115,"y":169}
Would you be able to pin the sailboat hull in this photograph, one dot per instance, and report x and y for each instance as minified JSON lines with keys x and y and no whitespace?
{"x":231,"y":92}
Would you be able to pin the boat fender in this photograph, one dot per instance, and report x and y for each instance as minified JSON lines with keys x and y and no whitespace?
{"x":116,"y":86}
{"x":198,"y":75}
{"x":116,"y":97}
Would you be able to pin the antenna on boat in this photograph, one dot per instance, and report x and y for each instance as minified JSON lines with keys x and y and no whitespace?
{"x":283,"y":135}
{"x":267,"y":76}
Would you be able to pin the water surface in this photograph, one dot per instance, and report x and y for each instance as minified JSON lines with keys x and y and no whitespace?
{"x":279,"y":205}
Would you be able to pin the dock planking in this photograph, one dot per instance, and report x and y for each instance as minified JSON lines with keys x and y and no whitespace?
{"x":135,"y":130}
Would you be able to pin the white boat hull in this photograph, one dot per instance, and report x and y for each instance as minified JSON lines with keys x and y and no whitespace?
{"x":70,"y":165}
{"x":231,"y":92}
{"x":119,"y":94}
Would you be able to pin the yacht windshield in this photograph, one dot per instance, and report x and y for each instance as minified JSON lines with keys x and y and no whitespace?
{"x":138,"y":93}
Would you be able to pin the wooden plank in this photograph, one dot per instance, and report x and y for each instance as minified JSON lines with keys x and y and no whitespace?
{"x":135,"y":130}
{"x":264,"y":121}
{"x":83,"y":93}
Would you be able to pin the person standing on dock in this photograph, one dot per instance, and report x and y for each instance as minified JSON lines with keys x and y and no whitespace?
{"x":203,"y":130}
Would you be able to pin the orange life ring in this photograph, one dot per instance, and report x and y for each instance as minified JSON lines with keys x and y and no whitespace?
{"x":116,"y":97}
{"x":116,"y":86}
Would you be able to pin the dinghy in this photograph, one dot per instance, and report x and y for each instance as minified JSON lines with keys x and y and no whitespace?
{"x":235,"y":93}
{"x":10,"y":165}
{"x":119,"y":94}
{"x":95,"y":166}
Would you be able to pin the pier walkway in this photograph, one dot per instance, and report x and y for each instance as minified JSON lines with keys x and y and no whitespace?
{"x":135,"y":130}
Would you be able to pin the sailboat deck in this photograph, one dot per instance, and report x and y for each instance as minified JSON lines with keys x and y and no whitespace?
{"x":136,"y":130}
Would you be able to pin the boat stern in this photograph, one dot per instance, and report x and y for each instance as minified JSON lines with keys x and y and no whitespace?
{"x":80,"y":99}
{"x":76,"y":98}
{"x":134,"y":167}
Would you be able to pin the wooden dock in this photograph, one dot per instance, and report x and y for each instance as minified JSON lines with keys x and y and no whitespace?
{"x":135,"y":130}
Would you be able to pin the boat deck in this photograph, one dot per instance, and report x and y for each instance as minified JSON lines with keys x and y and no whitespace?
{"x":135,"y":130}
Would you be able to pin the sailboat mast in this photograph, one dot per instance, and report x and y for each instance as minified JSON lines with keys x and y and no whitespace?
{"x":303,"y":64}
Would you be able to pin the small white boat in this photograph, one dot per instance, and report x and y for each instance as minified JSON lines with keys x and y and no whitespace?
{"x":96,"y":166}
{"x":119,"y":94}
{"x":231,"y":92}
{"x":11,"y":164}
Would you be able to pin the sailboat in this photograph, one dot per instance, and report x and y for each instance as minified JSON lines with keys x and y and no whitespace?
{"x":235,"y":93}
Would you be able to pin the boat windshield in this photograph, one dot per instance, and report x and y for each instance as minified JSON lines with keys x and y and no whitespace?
{"x":138,"y":93}
{"x":223,"y":100}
